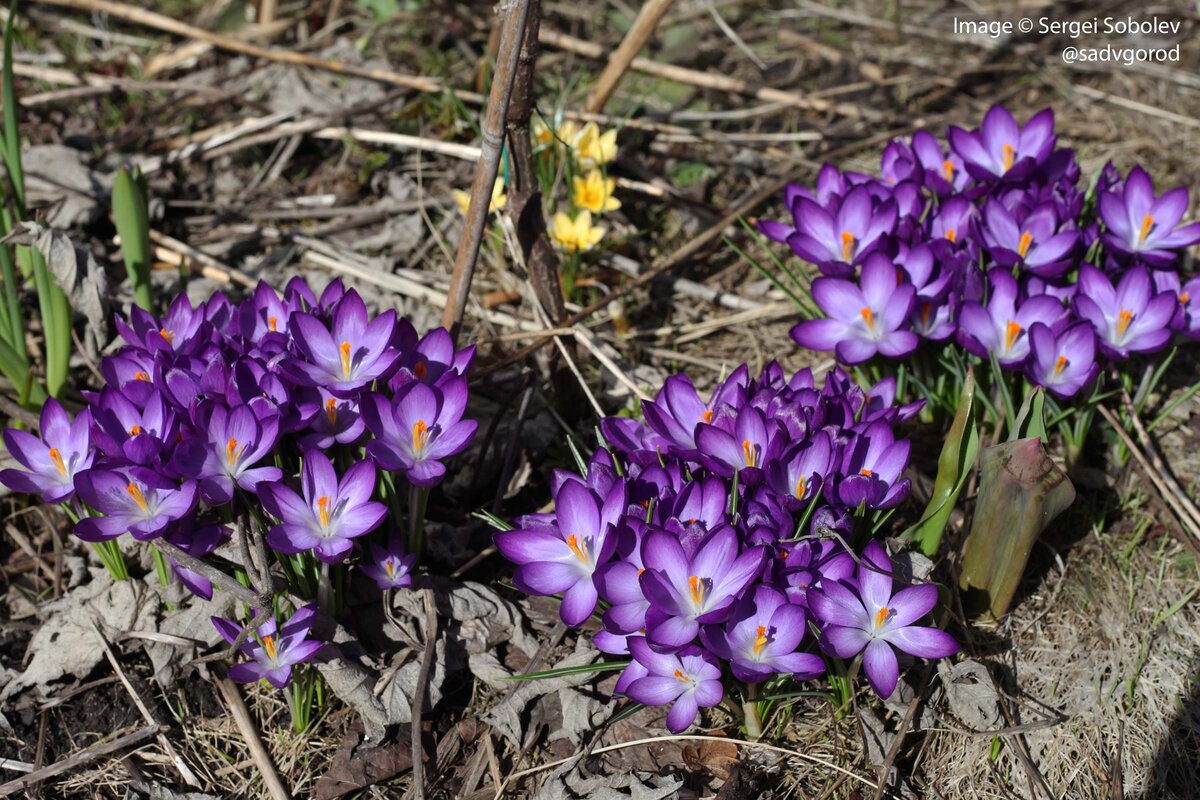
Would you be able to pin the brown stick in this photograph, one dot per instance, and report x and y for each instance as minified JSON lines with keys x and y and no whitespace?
{"x":163,"y":23}
{"x":512,"y":35}
{"x":704,"y":80}
{"x":258,"y":751}
{"x":418,"y":702}
{"x":134,"y":739}
{"x":643,"y":28}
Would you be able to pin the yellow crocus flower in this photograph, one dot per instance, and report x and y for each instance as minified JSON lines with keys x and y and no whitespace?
{"x":542,"y":135}
{"x":594,"y":148}
{"x":499,"y":198}
{"x":594,"y":192}
{"x":566,"y":134}
{"x":578,"y":235}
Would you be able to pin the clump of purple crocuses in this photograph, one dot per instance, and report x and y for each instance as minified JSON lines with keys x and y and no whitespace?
{"x":297,"y":419}
{"x":718,"y":542}
{"x":998,"y":242}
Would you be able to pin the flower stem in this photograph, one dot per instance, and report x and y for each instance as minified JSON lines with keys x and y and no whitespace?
{"x":418,"y":499}
{"x":750,"y":713}
{"x":113,"y":559}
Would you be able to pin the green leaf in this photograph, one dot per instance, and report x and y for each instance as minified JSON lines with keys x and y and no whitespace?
{"x":130,"y":205}
{"x":954,"y":465}
{"x":578,"y":669}
{"x":1031,"y":419}
{"x":11,"y":150}
{"x":382,"y":10}
{"x":493,"y":520}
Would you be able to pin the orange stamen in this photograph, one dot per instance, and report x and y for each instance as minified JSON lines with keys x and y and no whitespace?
{"x":272,"y":323}
{"x":948,"y":170}
{"x":1147,"y":224}
{"x":323,"y":510}
{"x":760,"y":640}
{"x":707,"y":415}
{"x":1026,"y":241}
{"x":135,"y":492}
{"x":952,"y":234}
{"x":140,"y":376}
{"x":1123,"y":319}
{"x":868,"y":317}
{"x":57,"y":460}
{"x":1009,"y":155}
{"x":135,"y":430}
{"x":345,"y":350}
{"x":881,"y":617}
{"x":1060,"y":365}
{"x":1183,"y":298}
{"x":926,"y":310}
{"x":697,"y":588}
{"x":420,"y":435}
{"x":578,"y":547}
{"x":847,"y":246}
{"x":748,"y":453}
{"x":420,"y":370}
{"x":801,"y":487}
{"x":232,"y":451}
{"x":1011,"y":331}
{"x":168,"y":335}
{"x":331,"y":411}
{"x":389,"y":567}
{"x":866,"y":473}
{"x":679,"y":676}
{"x":269,"y":645}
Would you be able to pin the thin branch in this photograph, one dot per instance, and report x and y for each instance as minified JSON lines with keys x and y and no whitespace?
{"x":135,"y":739}
{"x":418,"y":703}
{"x":619,"y":62}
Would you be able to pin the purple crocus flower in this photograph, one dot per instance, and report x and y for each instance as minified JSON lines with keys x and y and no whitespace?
{"x":136,"y":433}
{"x":329,"y":515}
{"x":806,"y":564}
{"x":432,"y":359}
{"x":350,"y":354}
{"x":1000,"y":148}
{"x":272,"y":654}
{"x":51,"y":462}
{"x":677,"y":409}
{"x":418,"y":428}
{"x":196,"y":540}
{"x":337,"y":421}
{"x":1132,"y":318}
{"x":563,"y":559}
{"x":873,"y":620}
{"x":761,"y":638}
{"x":137,"y":500}
{"x":1064,"y":362}
{"x":839,"y":239}
{"x":871,"y":468}
{"x":752,"y":444}
{"x":390,"y":567}
{"x":686,"y":591}
{"x":1189,"y":305}
{"x":944,"y":172}
{"x":231,"y":443}
{"x":689,"y":679}
{"x":861,"y":321}
{"x":1002,"y":328}
{"x":182,"y":330}
{"x":1034,"y":240}
{"x":1144,"y":225}
{"x":800,"y":474}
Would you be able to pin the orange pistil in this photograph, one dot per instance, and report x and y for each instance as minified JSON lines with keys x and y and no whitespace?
{"x":135,"y":492}
{"x":866,"y":473}
{"x":135,"y":430}
{"x":1011,"y":331}
{"x":331,"y":411}
{"x":679,"y":676}
{"x":881,"y":617}
{"x":345,"y":351}
{"x":1123,"y":319}
{"x":323,"y":510}
{"x":707,"y":415}
{"x":801,"y":487}
{"x":697,"y":588}
{"x":578,"y":547}
{"x":640,"y":571}
{"x":1183,"y":298}
{"x":1060,"y":365}
{"x":420,"y":436}
{"x":1024,"y":245}
{"x":57,"y":460}
{"x":952,"y":234}
{"x":868,"y":317}
{"x":783,"y":554}
{"x":847,"y":246}
{"x":389,"y":567}
{"x":269,"y":645}
{"x":760,"y":639}
{"x":1009,"y":156}
{"x":748,"y":453}
{"x":948,"y":170}
{"x":232,"y":451}
{"x":140,"y":376}
{"x":272,"y":323}
{"x":168,"y":335}
{"x":1147,"y":224}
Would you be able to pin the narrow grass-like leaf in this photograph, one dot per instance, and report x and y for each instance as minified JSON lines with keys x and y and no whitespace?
{"x":493,"y":520}
{"x":1031,"y":419}
{"x":132,"y":218}
{"x":578,"y":669}
{"x":954,"y":465}
{"x":625,"y":713}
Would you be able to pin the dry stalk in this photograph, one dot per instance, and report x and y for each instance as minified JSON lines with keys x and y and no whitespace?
{"x":618,"y":64}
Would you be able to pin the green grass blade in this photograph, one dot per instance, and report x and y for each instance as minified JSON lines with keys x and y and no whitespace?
{"x":578,"y":669}
{"x":130,"y":212}
{"x":12,"y":136}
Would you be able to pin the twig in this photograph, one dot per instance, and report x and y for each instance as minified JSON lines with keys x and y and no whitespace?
{"x":1152,"y":453}
{"x":181,"y":767}
{"x":618,"y":64}
{"x":81,"y":758}
{"x":704,"y":80}
{"x":513,"y":33}
{"x":163,"y":23}
{"x":894,"y":750}
{"x":210,"y":267}
{"x":258,"y":751}
{"x":688,"y":738}
{"x":418,"y":703}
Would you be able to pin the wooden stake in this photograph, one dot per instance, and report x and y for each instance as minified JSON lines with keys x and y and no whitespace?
{"x":643,"y":28}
